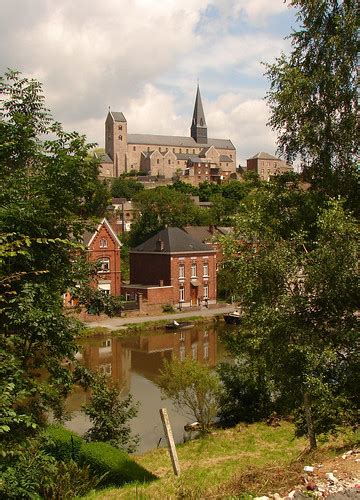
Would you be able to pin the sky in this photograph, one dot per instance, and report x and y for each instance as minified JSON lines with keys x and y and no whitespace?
{"x":145,"y":57}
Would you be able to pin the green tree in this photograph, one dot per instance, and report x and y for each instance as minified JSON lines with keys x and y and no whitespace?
{"x":194,"y":388}
{"x":49,"y":189}
{"x":313,"y":96}
{"x":299,"y":285}
{"x":160,"y":207}
{"x":125,"y":187}
{"x":110,"y":413}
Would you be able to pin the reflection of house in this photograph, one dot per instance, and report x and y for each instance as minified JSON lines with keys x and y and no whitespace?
{"x":149,"y":352}
{"x":267,"y":165}
{"x":104,"y":248}
{"x":108,"y":356}
{"x":172,"y":267}
{"x":159,"y":155}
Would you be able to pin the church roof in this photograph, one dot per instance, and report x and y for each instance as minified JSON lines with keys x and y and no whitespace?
{"x":174,"y":240}
{"x":198,"y":116}
{"x":177,"y":141}
{"x":225,"y":158}
{"x":264,"y":156}
{"x":103,"y":157}
{"x":118,"y":116}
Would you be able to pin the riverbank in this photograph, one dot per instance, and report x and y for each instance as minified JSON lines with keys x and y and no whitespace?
{"x":118,"y":323}
{"x":242,"y":462}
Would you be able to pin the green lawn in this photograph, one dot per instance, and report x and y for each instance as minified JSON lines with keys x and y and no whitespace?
{"x":208,"y":464}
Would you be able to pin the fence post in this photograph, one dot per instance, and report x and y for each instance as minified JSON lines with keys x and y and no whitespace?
{"x":170,"y":441}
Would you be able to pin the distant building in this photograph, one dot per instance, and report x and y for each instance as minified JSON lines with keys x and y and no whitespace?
{"x":267,"y":165}
{"x":121,"y":214}
{"x":159,"y":155}
{"x":173,"y":268}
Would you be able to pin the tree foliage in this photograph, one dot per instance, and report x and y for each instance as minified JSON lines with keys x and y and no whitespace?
{"x":110,"y":413}
{"x":193,"y":388}
{"x":313,"y":95}
{"x":298,"y":277}
{"x":125,"y":187}
{"x":49,"y":190}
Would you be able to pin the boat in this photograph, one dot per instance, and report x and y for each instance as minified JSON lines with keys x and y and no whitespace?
{"x":233,"y":318}
{"x":181,"y":325}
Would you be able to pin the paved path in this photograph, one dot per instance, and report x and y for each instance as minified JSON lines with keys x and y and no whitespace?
{"x":117,"y":322}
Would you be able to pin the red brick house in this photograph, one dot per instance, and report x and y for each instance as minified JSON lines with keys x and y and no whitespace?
{"x":173,"y":268}
{"x":104,"y":247}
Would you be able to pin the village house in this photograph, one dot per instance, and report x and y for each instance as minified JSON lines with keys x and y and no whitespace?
{"x":172,"y":268}
{"x":267,"y":165}
{"x":103,"y":247}
{"x":162,"y":156}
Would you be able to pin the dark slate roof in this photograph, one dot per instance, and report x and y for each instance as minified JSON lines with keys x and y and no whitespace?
{"x":264,"y":156}
{"x":118,"y":116}
{"x":198,"y":115}
{"x":182,"y":156}
{"x":177,"y":141}
{"x":204,"y":151}
{"x":103,"y":158}
{"x":206,"y":233}
{"x":174,"y":240}
{"x":225,"y":158}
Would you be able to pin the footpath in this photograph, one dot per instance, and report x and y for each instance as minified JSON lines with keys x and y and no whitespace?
{"x":118,"y":322}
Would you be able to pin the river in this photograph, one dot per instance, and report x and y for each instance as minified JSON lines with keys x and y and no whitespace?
{"x":134,"y":361}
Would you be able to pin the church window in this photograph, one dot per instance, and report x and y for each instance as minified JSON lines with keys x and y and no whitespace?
{"x":120,"y":127}
{"x":134,"y":148}
{"x":193,"y":151}
{"x":120,"y":137}
{"x":227,"y":164}
{"x":169,"y":162}
{"x":173,"y":150}
{"x":178,"y":162}
{"x":187,"y":151}
{"x":158,"y":161}
{"x":180,"y":150}
{"x":230,"y":156}
{"x":148,"y":149}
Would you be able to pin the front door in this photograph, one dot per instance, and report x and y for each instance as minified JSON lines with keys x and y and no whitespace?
{"x":194,"y":295}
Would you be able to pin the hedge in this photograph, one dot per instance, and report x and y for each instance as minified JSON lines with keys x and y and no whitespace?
{"x":64,"y":444}
{"x":116,"y":464}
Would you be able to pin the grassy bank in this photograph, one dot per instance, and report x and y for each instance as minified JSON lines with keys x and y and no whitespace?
{"x":98,"y":331}
{"x":234,"y":463}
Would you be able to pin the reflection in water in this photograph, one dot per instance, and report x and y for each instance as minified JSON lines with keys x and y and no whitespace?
{"x":134,"y":363}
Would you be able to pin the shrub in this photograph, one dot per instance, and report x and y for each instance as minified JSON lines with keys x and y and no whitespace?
{"x":192,"y":387}
{"x":110,"y":414}
{"x":245,"y":396}
{"x":168,"y":308}
{"x":69,"y":480}
{"x":103,"y":458}
{"x":63,"y":444}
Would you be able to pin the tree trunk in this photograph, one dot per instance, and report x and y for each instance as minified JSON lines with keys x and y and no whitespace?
{"x":309,"y":421}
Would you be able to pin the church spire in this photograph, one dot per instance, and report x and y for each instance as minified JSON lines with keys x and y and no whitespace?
{"x":198,"y":125}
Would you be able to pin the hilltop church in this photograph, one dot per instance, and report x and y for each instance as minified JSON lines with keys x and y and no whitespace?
{"x":197,"y":157}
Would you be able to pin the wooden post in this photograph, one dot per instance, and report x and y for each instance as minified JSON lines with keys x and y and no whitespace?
{"x":170,"y":441}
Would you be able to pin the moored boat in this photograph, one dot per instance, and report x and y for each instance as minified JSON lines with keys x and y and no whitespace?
{"x":181,"y":325}
{"x":233,"y":318}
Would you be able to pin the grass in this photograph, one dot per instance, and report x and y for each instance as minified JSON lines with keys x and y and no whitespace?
{"x":236,"y":463}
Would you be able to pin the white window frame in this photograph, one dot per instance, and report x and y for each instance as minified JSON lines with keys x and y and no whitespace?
{"x":103,"y":243}
{"x":105,"y":288}
{"x":206,"y":291}
{"x":193,"y":269}
{"x":206,"y":269}
{"x":105,"y":265}
{"x":182,"y":294}
{"x":181,"y":271}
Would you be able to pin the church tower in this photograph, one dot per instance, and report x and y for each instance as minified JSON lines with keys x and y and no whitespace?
{"x":198,"y":125}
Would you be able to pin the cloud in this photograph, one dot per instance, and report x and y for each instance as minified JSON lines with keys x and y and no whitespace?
{"x":143,"y":57}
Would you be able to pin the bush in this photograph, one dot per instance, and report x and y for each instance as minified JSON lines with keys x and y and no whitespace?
{"x":103,"y":458}
{"x":168,"y":308}
{"x":245,"y":396}
{"x":69,"y":480}
{"x":63,"y":444}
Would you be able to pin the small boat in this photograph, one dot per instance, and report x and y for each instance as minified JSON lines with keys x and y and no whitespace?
{"x":182,"y":325}
{"x":233,"y":318}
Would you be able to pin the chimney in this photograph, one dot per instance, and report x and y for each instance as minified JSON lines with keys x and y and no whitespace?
{"x":211,"y":229}
{"x":159,"y":245}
